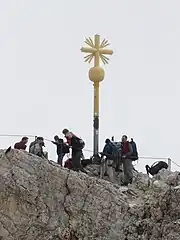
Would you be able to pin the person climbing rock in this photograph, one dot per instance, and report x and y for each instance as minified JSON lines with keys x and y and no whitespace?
{"x":62,"y":149}
{"x":126,"y":160}
{"x":22,"y":144}
{"x":77,"y":145}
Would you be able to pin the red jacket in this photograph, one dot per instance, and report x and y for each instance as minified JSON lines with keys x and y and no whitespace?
{"x":68,"y":141}
{"x":126,"y":148}
{"x":20,"y":145}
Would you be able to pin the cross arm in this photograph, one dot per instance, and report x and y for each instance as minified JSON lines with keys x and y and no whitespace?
{"x":88,"y":50}
{"x":106,"y":51}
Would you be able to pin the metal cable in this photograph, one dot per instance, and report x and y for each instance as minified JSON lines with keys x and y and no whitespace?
{"x":175,"y":163}
{"x":86,"y":150}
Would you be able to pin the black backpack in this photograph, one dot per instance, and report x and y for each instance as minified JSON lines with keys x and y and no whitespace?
{"x":65,"y":148}
{"x":78,"y":143}
{"x":134,"y":155}
{"x":156,"y":167}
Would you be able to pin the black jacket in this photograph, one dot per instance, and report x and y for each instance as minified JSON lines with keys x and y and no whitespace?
{"x":61,"y":147}
{"x":75,"y":144}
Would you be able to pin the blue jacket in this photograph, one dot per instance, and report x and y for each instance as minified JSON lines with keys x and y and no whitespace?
{"x":108,"y":148}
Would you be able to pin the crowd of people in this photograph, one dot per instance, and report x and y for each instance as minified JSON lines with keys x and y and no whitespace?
{"x":115,"y":157}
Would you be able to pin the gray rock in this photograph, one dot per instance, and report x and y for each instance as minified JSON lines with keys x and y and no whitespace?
{"x":41,"y":201}
{"x":173,"y":179}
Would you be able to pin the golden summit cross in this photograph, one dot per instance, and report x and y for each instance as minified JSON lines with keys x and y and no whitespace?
{"x":96,"y":50}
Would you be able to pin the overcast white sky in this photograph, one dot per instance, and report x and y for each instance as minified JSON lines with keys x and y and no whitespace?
{"x":44,"y":83}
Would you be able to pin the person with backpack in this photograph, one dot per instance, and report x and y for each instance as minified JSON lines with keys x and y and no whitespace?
{"x":127,"y":152}
{"x":62,"y":149}
{"x":111,"y":153}
{"x":36,"y":148}
{"x":77,"y":145}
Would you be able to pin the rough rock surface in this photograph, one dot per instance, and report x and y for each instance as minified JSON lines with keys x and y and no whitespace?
{"x":41,"y":201}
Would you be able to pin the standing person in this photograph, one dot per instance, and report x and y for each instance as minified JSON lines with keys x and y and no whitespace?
{"x":111,"y":153}
{"x":127,"y":162}
{"x":22,"y":144}
{"x":62,"y":149}
{"x":77,"y":146}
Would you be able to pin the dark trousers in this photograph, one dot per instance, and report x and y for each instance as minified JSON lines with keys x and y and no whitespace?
{"x":60,"y":158}
{"x":118,"y":163}
{"x":76,"y":160}
{"x":128,"y":170}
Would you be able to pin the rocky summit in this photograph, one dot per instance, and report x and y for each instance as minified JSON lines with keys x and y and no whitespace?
{"x":41,"y":201}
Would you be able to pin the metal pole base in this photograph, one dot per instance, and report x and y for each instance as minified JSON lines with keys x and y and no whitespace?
{"x":96,"y":135}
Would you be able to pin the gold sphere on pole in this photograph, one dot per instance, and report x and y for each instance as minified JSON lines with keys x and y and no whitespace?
{"x":96,"y":74}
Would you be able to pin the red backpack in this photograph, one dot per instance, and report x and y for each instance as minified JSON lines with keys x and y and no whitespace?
{"x":68,"y":163}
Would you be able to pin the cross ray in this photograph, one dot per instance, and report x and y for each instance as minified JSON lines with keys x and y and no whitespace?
{"x":104,"y":43}
{"x":90,"y":39}
{"x":88,"y":42}
{"x":104,"y":59}
{"x":88,"y":57}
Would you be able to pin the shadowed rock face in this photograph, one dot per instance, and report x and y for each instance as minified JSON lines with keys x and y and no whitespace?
{"x":41,"y":201}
